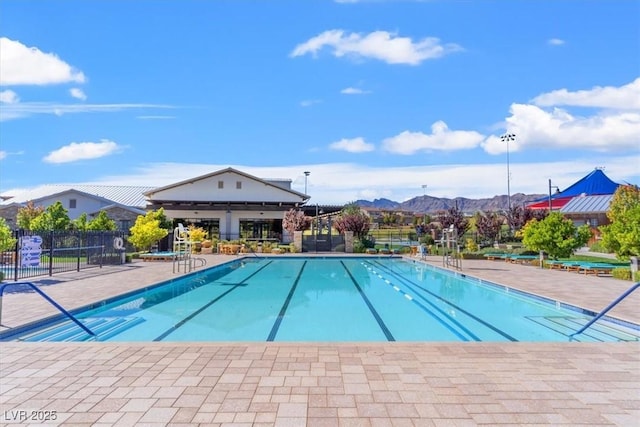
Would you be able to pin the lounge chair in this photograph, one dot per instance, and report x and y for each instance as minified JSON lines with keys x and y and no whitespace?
{"x":521,"y":259}
{"x":494,"y":256}
{"x":596,"y":268}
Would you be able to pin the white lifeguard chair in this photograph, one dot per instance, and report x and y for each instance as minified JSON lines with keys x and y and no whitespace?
{"x":181,"y":248}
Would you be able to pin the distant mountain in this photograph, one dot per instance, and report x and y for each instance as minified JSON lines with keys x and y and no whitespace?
{"x":428,"y":204}
{"x":378,"y":204}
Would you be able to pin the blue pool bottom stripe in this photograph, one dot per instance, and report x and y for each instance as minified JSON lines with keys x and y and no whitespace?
{"x":283,"y":310}
{"x":383,"y":326}
{"x":446,"y":323}
{"x":209,"y":304}
{"x":408,"y":283}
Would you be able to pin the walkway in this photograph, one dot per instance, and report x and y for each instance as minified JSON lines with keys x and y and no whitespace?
{"x":309,"y":384}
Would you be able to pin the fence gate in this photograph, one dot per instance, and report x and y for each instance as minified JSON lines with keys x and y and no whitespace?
{"x":323,"y":242}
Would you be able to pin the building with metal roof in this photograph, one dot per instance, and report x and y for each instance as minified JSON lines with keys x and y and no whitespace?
{"x":123,"y":204}
{"x":590,"y":210}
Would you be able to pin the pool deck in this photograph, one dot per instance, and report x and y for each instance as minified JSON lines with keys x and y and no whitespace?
{"x":319,"y":384}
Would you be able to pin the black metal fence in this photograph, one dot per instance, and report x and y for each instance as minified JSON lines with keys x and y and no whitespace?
{"x":50,"y":252}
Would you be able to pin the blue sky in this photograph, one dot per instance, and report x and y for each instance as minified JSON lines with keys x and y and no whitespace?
{"x":374,"y":98}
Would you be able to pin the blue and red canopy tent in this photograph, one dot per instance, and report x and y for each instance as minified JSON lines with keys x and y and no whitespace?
{"x":596,"y":183}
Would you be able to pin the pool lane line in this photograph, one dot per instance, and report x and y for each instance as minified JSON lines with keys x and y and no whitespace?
{"x":209,"y":304}
{"x":383,"y":326}
{"x":283,"y":309}
{"x":435,"y":316}
{"x":409,"y":282}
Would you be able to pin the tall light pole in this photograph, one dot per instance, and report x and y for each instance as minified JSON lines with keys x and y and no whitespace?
{"x":424,"y":216}
{"x":506,"y":138}
{"x":306,"y":175}
{"x":557,"y":190}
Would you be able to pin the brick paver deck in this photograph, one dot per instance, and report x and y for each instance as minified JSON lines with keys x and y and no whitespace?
{"x":320,"y":384}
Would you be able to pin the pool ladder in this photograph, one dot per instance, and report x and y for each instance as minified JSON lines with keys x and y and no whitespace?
{"x":606,"y":309}
{"x":50,"y":300}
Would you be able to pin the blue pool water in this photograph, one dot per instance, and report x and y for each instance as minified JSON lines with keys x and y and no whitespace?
{"x":328,"y":299}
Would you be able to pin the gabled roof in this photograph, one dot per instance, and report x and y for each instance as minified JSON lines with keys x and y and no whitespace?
{"x":275,"y":183}
{"x":123,"y":195}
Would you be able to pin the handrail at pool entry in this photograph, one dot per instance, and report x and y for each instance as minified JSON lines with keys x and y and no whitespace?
{"x":50,"y":300}
{"x":606,"y":309}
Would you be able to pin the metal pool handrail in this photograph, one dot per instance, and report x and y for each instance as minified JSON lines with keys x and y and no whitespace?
{"x":50,"y":300}
{"x":609,"y":307}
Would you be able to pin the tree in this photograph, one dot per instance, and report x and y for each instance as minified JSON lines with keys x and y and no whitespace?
{"x":54,"y":217}
{"x":454,"y":216}
{"x":488,"y":225}
{"x":102,"y":222}
{"x":6,"y":238}
{"x":518,"y":217}
{"x":622,"y":236}
{"x":296,"y":220}
{"x":27,"y":214}
{"x":351,"y":218}
{"x":165,"y":222}
{"x":81,"y":223}
{"x":556,"y":235}
{"x":146,"y":231}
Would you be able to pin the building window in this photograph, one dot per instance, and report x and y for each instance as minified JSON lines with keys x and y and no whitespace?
{"x":125,"y":224}
{"x":72,"y":203}
{"x":239,"y":185}
{"x":220,"y":184}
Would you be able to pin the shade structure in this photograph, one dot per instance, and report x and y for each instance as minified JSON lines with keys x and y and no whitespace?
{"x":556,"y":203}
{"x":595,"y":183}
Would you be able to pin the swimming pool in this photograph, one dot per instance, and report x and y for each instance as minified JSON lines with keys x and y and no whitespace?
{"x":332,"y":299}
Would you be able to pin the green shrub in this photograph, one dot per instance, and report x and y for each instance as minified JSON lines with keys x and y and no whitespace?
{"x":621,"y":273}
{"x":471,"y":245}
{"x":1,"y":276}
{"x":427,"y":240}
{"x":359,"y":247}
{"x":472,"y":255}
{"x":597,"y":247}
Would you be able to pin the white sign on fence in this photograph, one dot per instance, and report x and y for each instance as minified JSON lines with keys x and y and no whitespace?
{"x":30,"y":250}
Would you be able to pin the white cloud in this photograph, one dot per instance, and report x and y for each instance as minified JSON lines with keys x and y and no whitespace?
{"x":613,"y":127}
{"x":354,"y":145}
{"x":9,"y":97}
{"x":440,"y":139}
{"x":556,"y":42}
{"x":380,"y":45}
{"x":77,"y":93}
{"x":310,"y":102}
{"x":537,"y":129}
{"x":26,"y":109}
{"x":338,"y":183}
{"x":354,"y":91}
{"x":82,"y":151}
{"x":3,"y":154}
{"x":22,"y":65}
{"x":625,"y":97}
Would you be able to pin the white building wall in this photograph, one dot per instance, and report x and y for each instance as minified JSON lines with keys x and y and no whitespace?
{"x":208,"y":189}
{"x":83,"y":204}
